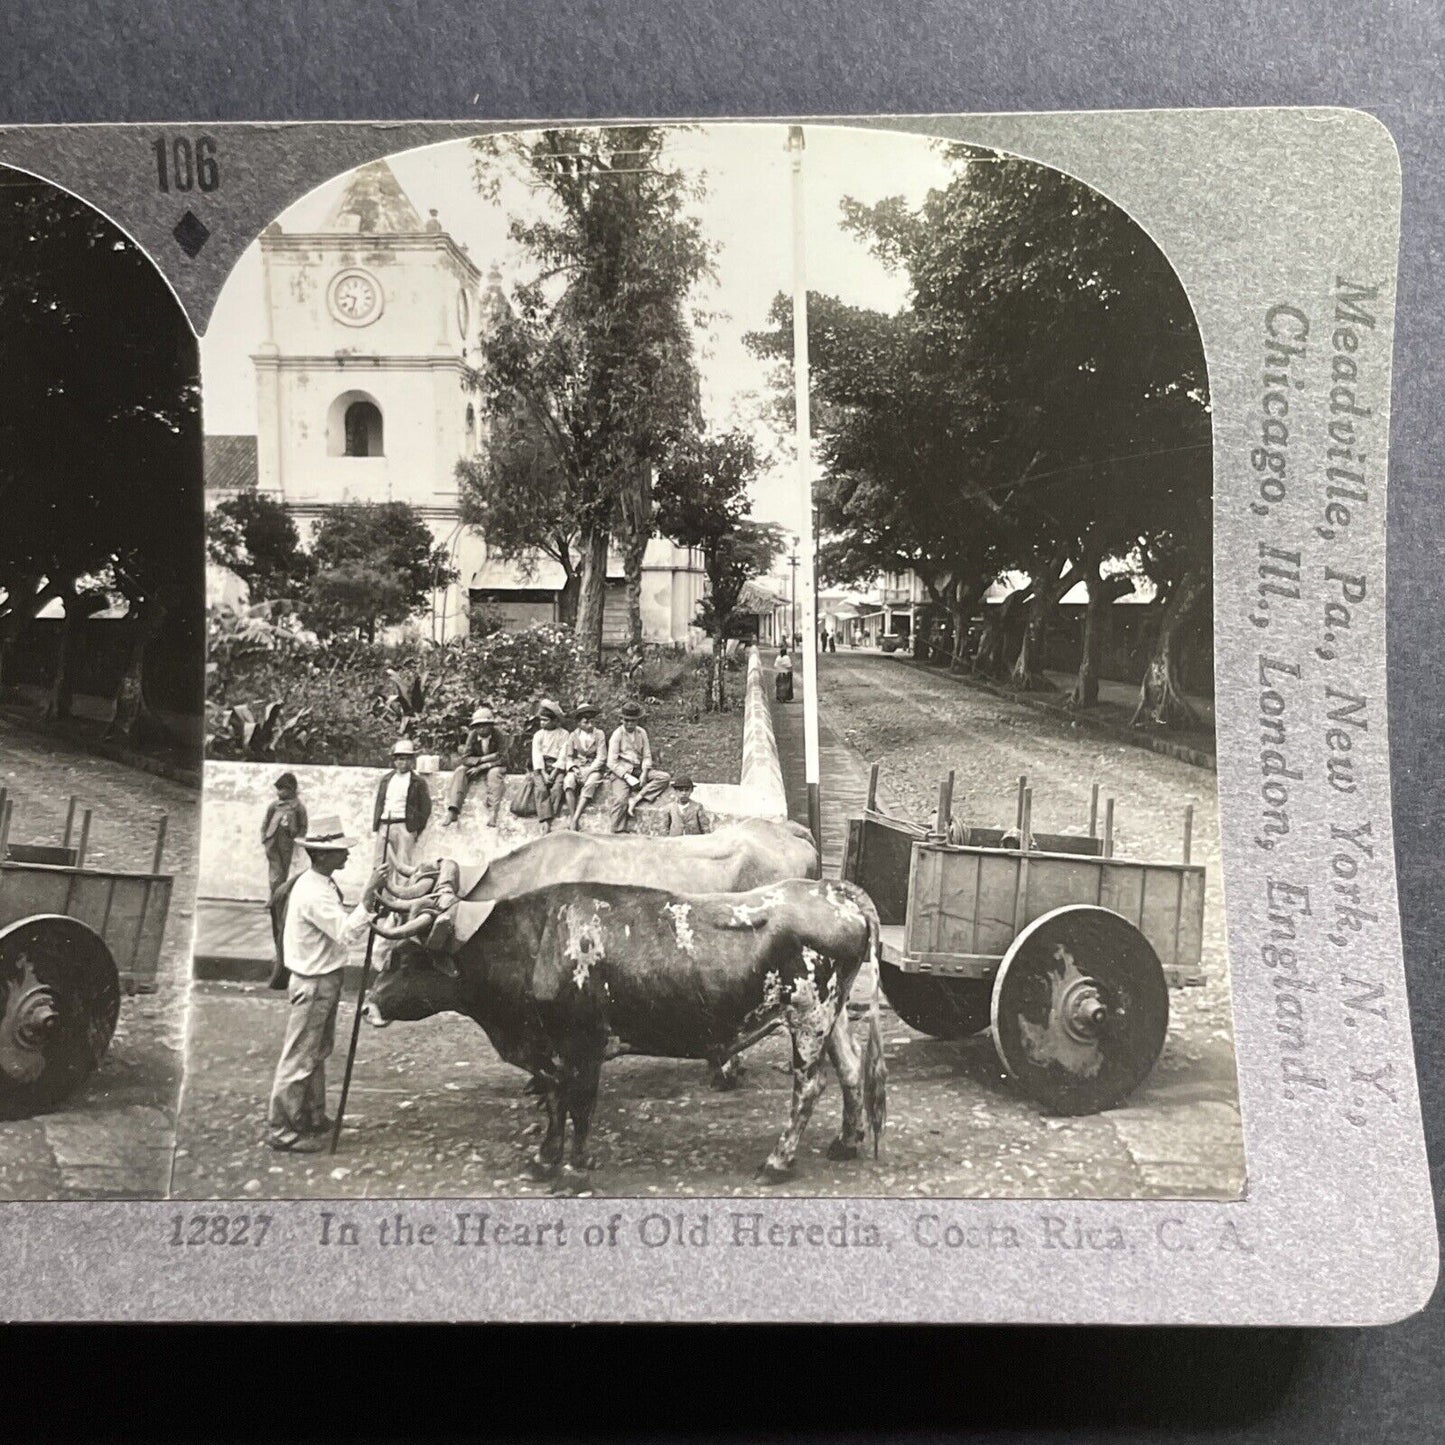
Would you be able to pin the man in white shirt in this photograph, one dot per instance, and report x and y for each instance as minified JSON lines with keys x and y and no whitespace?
{"x":314,"y":948}
{"x":402,"y":809}
{"x":549,"y":770}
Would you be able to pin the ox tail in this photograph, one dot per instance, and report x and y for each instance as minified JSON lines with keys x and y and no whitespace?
{"x":875,"y":1066}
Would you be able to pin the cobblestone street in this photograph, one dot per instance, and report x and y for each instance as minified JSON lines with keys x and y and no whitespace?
{"x":435,"y":1113}
{"x":113,"y":1137}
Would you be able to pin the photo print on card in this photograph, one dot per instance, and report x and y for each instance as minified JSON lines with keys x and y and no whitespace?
{"x":790,"y":704}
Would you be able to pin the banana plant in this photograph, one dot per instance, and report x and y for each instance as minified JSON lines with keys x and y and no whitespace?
{"x":257,"y":734}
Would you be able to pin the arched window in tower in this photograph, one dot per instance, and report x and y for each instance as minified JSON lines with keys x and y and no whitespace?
{"x":471,"y":427}
{"x":363,"y":429}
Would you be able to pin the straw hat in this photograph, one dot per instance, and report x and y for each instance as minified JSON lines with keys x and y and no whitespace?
{"x":327,"y":836}
{"x":632,"y":711}
{"x":586,"y":709}
{"x":403,"y":748}
{"x":483,"y":714}
{"x":548,"y":708}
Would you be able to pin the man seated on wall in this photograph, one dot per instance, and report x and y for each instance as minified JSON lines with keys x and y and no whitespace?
{"x":632,"y":778}
{"x":484,"y":759}
{"x":585,"y":762}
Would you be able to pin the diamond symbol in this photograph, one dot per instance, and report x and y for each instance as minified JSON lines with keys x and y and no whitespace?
{"x":191,"y":233}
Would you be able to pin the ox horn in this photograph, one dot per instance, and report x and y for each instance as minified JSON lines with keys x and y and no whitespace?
{"x":405,"y":930}
{"x":423,"y":885}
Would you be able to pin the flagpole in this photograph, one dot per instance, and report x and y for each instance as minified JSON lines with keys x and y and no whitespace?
{"x":809,"y":644}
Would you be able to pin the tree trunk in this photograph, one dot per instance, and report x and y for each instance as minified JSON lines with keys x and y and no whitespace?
{"x":131,"y":715}
{"x":632,"y":552}
{"x":1103,"y":593}
{"x":592,"y":595}
{"x":961,"y":602}
{"x":989,"y":660}
{"x":567,"y":598}
{"x":1162,"y":702}
{"x":1028,"y":673}
{"x":78,"y":609}
{"x":25,"y":601}
{"x":635,"y":507}
{"x":718,"y":700}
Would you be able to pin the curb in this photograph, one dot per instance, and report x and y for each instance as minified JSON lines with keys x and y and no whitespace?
{"x":1132,"y":737}
{"x":762,"y":769}
{"x":113,"y":752}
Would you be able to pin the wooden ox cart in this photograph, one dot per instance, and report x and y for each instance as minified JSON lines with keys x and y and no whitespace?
{"x":1063,"y":949}
{"x":72,"y":938}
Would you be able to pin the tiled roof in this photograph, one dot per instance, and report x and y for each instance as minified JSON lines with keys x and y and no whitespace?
{"x":230,"y":463}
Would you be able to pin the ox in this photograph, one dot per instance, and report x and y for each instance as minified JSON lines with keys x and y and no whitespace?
{"x":735,"y":859}
{"x":564,"y":977}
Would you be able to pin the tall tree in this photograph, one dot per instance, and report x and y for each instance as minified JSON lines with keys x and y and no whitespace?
{"x":702,"y":498}
{"x":254,"y":535}
{"x":100,"y":437}
{"x":524,"y":502}
{"x":1043,"y":389}
{"x":898,"y":491}
{"x":598,"y":348}
{"x":377,"y":564}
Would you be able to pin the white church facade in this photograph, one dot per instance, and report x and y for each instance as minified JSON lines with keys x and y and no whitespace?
{"x":370,"y":326}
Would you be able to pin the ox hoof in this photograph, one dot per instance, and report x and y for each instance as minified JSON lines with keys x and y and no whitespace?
{"x":586,"y":1161}
{"x":542,"y":1169}
{"x":725,"y":1080}
{"x":773,"y":1172}
{"x":841,"y":1149}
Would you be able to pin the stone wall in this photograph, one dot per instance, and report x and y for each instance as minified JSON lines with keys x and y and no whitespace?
{"x":232,"y":865}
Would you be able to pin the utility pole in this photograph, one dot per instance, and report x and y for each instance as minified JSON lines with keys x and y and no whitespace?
{"x":805,"y":491}
{"x":793,"y":563}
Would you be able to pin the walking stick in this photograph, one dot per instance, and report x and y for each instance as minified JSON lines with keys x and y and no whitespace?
{"x":356,"y":1022}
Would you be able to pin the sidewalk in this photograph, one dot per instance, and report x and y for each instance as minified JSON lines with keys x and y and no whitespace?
{"x":24,"y":709}
{"x":842,"y":784}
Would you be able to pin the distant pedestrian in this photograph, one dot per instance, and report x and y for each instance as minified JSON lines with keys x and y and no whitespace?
{"x":484,"y":760}
{"x":314,"y":947}
{"x":402,"y":809}
{"x":783,"y":675}
{"x":633,"y":779}
{"x":683,"y":815}
{"x":585,"y":762}
{"x":284,"y":823}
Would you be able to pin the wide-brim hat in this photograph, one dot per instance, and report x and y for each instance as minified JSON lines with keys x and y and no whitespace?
{"x":327,"y":835}
{"x":403,"y":748}
{"x":548,"y":708}
{"x":484,"y":714}
{"x":631,"y":711}
{"x":586,"y":709}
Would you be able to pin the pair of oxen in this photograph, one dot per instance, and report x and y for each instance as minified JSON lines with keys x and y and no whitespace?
{"x":576,"y":948}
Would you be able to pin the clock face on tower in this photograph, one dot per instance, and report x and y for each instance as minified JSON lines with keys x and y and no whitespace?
{"x":355,"y":298}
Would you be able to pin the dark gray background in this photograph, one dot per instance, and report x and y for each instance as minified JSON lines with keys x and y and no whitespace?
{"x":373,"y":60}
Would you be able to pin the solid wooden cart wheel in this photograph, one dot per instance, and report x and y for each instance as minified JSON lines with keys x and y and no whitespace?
{"x":59,"y":1001}
{"x":1080,"y":1009}
{"x":946,"y":1008}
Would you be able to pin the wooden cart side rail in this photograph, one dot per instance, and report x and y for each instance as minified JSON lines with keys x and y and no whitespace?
{"x":85,"y":870}
{"x":942,"y":847}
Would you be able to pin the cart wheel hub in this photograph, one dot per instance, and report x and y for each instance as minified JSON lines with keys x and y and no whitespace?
{"x":1083,"y":1011}
{"x":36,"y":1016}
{"x":29,"y":1018}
